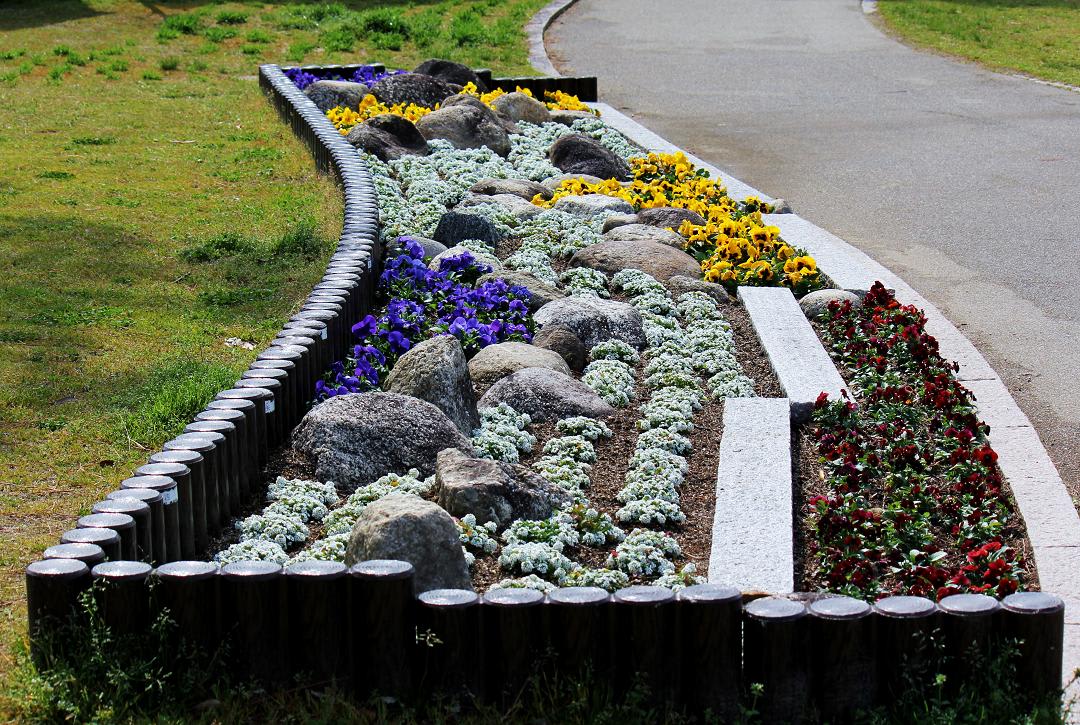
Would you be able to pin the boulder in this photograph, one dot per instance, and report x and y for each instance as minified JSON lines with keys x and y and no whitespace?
{"x":645,"y":233}
{"x":594,"y":320}
{"x":620,"y":220}
{"x":517,"y":206}
{"x":517,"y":187}
{"x":495,"y":362}
{"x":567,"y":118}
{"x":576,"y":153}
{"x":519,"y":107}
{"x":331,"y":94}
{"x":679,"y":285}
{"x":436,"y":371}
{"x":388,"y":137}
{"x":668,"y":217}
{"x":354,"y":439}
{"x":431,"y":247}
{"x":593,"y":206}
{"x":546,"y":396}
{"x":451,"y":72}
{"x":492,"y":490}
{"x":463,"y":99}
{"x":423,"y":90}
{"x":455,"y":227}
{"x":466,"y":127}
{"x":561,"y":339}
{"x":614,"y":255}
{"x":553,"y":182}
{"x":816,"y":304}
{"x":541,"y":291}
{"x":407,"y":528}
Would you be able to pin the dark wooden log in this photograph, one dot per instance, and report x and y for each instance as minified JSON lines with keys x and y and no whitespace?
{"x":776,"y":649}
{"x":645,"y":627}
{"x":383,"y":630}
{"x":709,"y":643}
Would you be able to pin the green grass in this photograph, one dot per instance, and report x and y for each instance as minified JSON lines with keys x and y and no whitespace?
{"x":1040,"y":38}
{"x":153,"y":205}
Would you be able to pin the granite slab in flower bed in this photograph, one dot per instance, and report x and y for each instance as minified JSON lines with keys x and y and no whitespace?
{"x":537,"y":400}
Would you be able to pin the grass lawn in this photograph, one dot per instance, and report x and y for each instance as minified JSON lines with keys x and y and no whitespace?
{"x":152,"y":205}
{"x":1038,"y":37}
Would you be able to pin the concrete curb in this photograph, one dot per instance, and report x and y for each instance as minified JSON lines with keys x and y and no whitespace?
{"x":753,"y":534}
{"x":534,"y":33}
{"x":1042,"y":499}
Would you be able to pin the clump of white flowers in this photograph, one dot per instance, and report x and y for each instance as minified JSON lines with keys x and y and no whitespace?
{"x":285,"y":531}
{"x":323,"y":492}
{"x":614,"y":350}
{"x":558,"y":532}
{"x":478,"y":537}
{"x":608,"y":579}
{"x":685,"y":577}
{"x":252,"y":550}
{"x":528,"y":557}
{"x":583,"y":281}
{"x":526,"y":582}
{"x":651,"y":511}
{"x":611,"y":380}
{"x":594,"y":528}
{"x":328,"y":548}
{"x":564,"y":471}
{"x":503,"y":434}
{"x":575,"y":447}
{"x":645,"y":553}
{"x":590,"y":429}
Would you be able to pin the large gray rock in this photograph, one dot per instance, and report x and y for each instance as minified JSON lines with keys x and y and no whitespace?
{"x":553,"y":182}
{"x":518,"y":187}
{"x":517,"y":206}
{"x":567,"y":118}
{"x":407,"y":528}
{"x":423,"y":90}
{"x":463,"y":99}
{"x":816,"y":304}
{"x":679,"y":285}
{"x":594,"y":320}
{"x":519,"y":107}
{"x":615,"y":255}
{"x":455,"y":227}
{"x":492,"y":490}
{"x":562,"y":340}
{"x":388,"y":137}
{"x":331,"y":94}
{"x":466,"y":127}
{"x":576,"y":153}
{"x":436,"y":371}
{"x":450,"y":72}
{"x":621,"y":220}
{"x":668,"y":216}
{"x":645,"y":233}
{"x":541,"y":292}
{"x":495,"y":362}
{"x":354,"y":439}
{"x":546,"y":396}
{"x":593,"y":206}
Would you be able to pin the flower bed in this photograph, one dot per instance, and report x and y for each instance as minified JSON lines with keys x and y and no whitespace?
{"x":915,"y":503}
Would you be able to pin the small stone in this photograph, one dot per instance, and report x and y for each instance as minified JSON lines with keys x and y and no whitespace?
{"x":354,"y":439}
{"x":592,"y":206}
{"x":431,"y":247}
{"x":405,"y":527}
{"x":540,"y":291}
{"x":436,"y":371}
{"x":669,"y":217}
{"x":594,"y":320}
{"x":554,"y":182}
{"x":495,"y":362}
{"x":519,"y":107}
{"x":815,"y":305}
{"x":451,"y":72}
{"x":466,"y":127}
{"x":455,"y":227}
{"x":620,"y":220}
{"x":388,"y":137}
{"x":576,"y":153}
{"x":645,"y":233}
{"x":679,"y":285}
{"x":518,"y":187}
{"x":567,"y":118}
{"x":331,"y":94}
{"x":780,"y":206}
{"x":492,"y":490}
{"x":615,"y":255}
{"x":464,"y":99}
{"x":546,"y":396}
{"x":561,"y":339}
{"x":417,"y":88}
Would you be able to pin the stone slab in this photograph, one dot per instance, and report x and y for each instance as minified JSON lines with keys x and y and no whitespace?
{"x":826,"y":249}
{"x":801,"y":364}
{"x":753,"y":534}
{"x":996,"y":406}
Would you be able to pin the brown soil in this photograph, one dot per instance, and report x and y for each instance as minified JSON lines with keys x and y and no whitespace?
{"x":749,"y":353}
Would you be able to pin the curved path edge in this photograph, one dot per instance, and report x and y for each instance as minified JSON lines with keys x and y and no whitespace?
{"x":1049,"y":516}
{"x":534,"y":33}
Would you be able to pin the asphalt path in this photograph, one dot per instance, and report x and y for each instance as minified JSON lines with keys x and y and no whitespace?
{"x":963,"y":181}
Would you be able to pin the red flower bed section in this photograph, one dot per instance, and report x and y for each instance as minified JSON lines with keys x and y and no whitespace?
{"x":915,"y":501}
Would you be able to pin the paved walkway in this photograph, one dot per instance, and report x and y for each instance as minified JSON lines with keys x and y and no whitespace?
{"x":964,"y":182}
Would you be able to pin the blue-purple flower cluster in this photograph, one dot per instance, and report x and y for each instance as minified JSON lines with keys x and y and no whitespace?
{"x":424,"y":303}
{"x":365,"y":74}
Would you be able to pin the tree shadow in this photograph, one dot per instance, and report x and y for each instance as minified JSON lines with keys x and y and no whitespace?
{"x":22,"y":14}
{"x":1073,"y":4}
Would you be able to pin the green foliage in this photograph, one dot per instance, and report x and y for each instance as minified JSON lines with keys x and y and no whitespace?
{"x":56,"y":175}
{"x":218,"y":34}
{"x":302,"y":238}
{"x":181,"y":24}
{"x":259,"y":36}
{"x":93,"y":140}
{"x":232,"y":17}
{"x":221,"y":245}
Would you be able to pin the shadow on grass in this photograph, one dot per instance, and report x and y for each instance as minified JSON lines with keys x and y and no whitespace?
{"x":18,"y":15}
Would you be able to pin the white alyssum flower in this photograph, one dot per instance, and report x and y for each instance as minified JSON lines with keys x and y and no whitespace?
{"x":585,"y":281}
{"x":285,"y":531}
{"x":685,"y":577}
{"x":651,"y":511}
{"x":525,"y":582}
{"x":590,"y":429}
{"x":608,"y":579}
{"x":252,"y":550}
{"x":543,"y":560}
{"x":328,"y":548}
{"x":281,"y":487}
{"x":614,"y":350}
{"x":594,"y":528}
{"x":611,"y":380}
{"x":557,"y":531}
{"x":563,"y":471}
{"x":645,"y":553}
{"x":664,"y":440}
{"x":575,"y":447}
{"x":298,"y":506}
{"x":479,"y":537}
